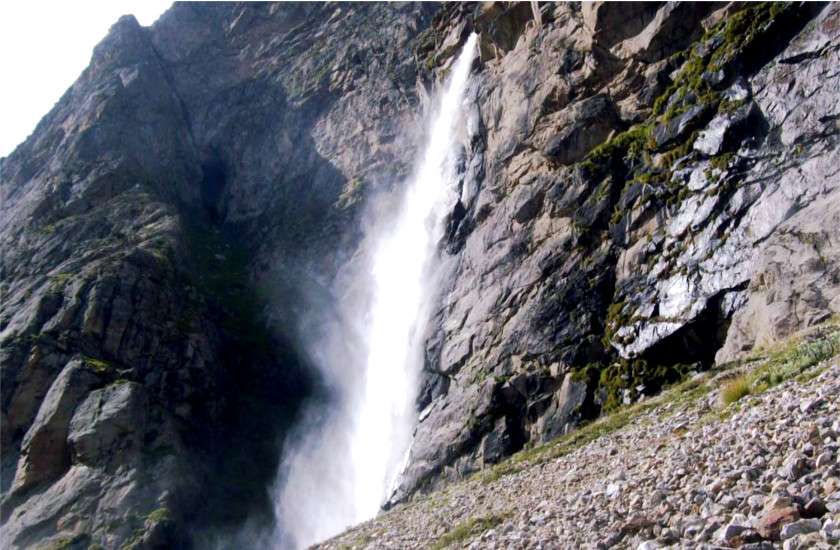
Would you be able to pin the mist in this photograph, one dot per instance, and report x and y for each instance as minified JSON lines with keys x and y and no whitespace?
{"x":345,"y":456}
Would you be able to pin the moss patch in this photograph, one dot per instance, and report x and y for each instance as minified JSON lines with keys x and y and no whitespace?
{"x":794,"y":359}
{"x":469,"y":528}
{"x":99,"y":366}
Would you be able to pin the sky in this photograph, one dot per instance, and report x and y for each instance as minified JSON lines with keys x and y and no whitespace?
{"x":44,"y":47}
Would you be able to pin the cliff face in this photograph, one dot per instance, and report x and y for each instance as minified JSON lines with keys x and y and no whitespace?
{"x":653,"y":188}
{"x":144,"y":395}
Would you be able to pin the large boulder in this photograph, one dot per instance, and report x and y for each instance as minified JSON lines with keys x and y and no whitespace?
{"x":109,"y":424}
{"x":45,"y":453}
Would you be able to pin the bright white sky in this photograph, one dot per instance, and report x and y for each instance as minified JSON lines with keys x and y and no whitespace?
{"x":44,"y":47}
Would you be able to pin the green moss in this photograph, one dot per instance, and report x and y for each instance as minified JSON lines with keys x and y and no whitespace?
{"x":58,"y":282}
{"x":47,"y":229}
{"x":67,"y":543}
{"x":745,"y":28}
{"x":630,"y":143}
{"x":159,"y":515}
{"x":721,"y":162}
{"x":501,"y":379}
{"x":678,"y":151}
{"x":616,"y":318}
{"x":100,"y":366}
{"x":469,"y":528}
{"x":351,"y":193}
{"x":628,"y":374}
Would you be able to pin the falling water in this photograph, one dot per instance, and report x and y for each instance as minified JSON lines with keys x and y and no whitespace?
{"x":342,"y":474}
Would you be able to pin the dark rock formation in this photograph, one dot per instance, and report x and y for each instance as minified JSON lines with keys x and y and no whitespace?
{"x":652,"y":187}
{"x":195,"y":168}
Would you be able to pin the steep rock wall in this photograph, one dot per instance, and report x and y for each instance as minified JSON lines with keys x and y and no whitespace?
{"x":649,"y":194}
{"x":186,"y":189}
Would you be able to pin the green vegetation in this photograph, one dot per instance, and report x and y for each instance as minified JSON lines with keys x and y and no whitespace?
{"x":58,"y":282}
{"x":629,"y":373}
{"x":616,"y":318}
{"x":721,"y":162}
{"x":159,"y":515}
{"x":351,"y":193}
{"x":735,"y":389}
{"x":794,"y":359}
{"x":632,"y":156}
{"x":100,"y":366}
{"x":67,"y":543}
{"x":628,"y":144}
{"x":155,"y":516}
{"x":627,"y":155}
{"x":469,"y":528}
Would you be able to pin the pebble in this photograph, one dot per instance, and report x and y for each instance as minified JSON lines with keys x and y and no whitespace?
{"x":764,"y":478}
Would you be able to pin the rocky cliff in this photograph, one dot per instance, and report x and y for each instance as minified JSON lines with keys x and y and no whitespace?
{"x":653,"y":188}
{"x":144,"y":392}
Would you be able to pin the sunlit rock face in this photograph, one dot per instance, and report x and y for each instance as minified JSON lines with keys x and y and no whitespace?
{"x":643,"y":192}
{"x":639,"y":198}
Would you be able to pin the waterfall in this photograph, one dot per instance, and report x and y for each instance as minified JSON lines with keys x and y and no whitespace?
{"x":341,"y":472}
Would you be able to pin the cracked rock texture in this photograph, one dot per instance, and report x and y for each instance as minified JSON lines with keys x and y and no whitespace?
{"x":144,"y":392}
{"x":647,"y":189}
{"x":650,"y":192}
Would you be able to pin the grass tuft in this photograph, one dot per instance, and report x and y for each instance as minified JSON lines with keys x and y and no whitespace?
{"x":735,"y":389}
{"x":467,"y":529}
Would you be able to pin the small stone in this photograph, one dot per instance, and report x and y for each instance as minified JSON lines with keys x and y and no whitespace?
{"x":669,"y":536}
{"x":773,"y":519}
{"x":824,"y":459}
{"x":810,"y":405}
{"x":794,"y":467}
{"x":756,"y":501}
{"x":815,"y":508}
{"x":801,"y":527}
{"x":732,"y":531}
{"x":693,"y":529}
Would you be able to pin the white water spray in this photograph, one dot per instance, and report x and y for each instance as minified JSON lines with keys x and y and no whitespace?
{"x":343,"y":473}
